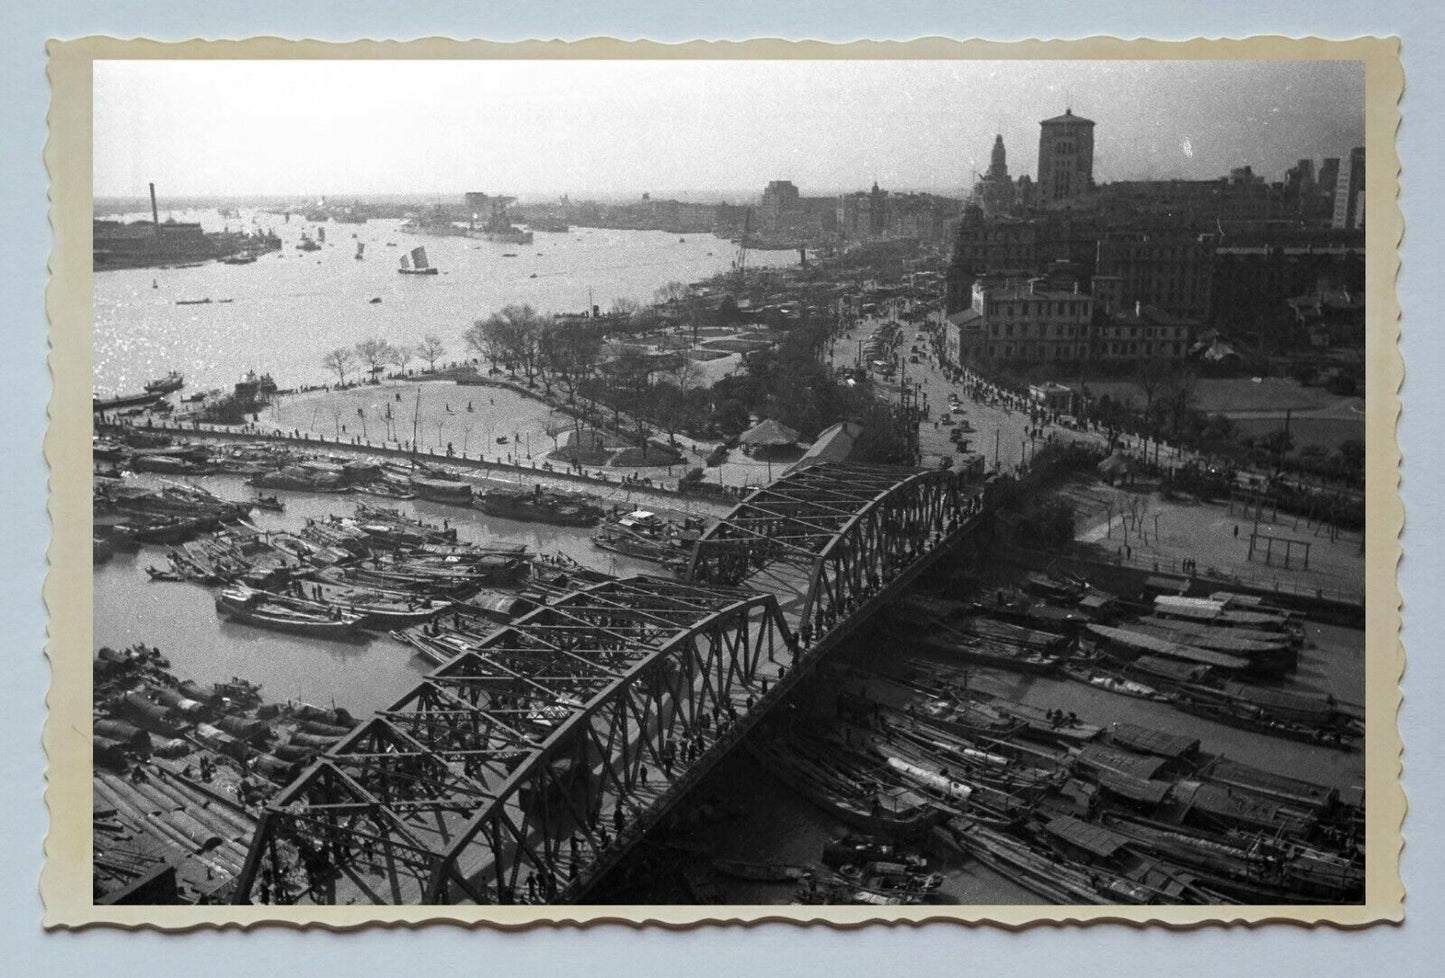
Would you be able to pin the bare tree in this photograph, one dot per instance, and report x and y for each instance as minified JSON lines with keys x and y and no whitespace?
{"x":671,"y":292}
{"x":485,"y":340}
{"x":1150,"y":377}
{"x":1178,"y":395}
{"x":402,"y":355}
{"x":685,"y":372}
{"x":340,"y":360}
{"x":623,"y":306}
{"x":374,"y":352}
{"x":510,"y":336}
{"x":570,"y":353}
{"x":431,"y":350}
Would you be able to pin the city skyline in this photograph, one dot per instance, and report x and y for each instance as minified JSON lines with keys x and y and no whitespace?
{"x":701,"y":128}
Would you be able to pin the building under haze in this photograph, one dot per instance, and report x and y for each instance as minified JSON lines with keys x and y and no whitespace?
{"x":1066,"y":158}
{"x":1350,"y":192}
{"x":781,"y":208}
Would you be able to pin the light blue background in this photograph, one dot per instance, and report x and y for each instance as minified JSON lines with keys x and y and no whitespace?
{"x":1415,"y":948}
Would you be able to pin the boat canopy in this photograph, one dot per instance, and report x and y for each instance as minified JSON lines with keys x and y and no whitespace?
{"x":1140,"y":642}
{"x":1091,"y":838}
{"x":1150,"y":741}
{"x":1104,"y":758}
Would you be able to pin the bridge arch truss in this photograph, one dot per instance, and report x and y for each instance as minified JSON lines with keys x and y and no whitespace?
{"x":510,"y":761}
{"x":835,"y":531}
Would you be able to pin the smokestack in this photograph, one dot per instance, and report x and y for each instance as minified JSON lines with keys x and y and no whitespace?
{"x":155,"y":212}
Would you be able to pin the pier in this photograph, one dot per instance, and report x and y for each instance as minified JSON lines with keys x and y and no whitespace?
{"x":527,"y":766}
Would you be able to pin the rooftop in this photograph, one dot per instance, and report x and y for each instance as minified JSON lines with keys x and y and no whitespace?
{"x":1068,"y":117}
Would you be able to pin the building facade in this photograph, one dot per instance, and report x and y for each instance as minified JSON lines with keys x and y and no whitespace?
{"x":1171,"y":272}
{"x":1024,"y":323}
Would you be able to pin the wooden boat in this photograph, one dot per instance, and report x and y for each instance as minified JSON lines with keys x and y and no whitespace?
{"x":1038,"y":723}
{"x":1246,"y":716}
{"x":271,"y":503}
{"x":259,"y":609}
{"x":1112,"y":682}
{"x":172,"y":530}
{"x":968,"y":717}
{"x":991,"y":653}
{"x":1026,"y":866}
{"x":1133,"y":877}
{"x":443,"y":490}
{"x":378,"y":610}
{"x":1132,"y":644}
{"x":761,"y":872}
{"x":878,"y":810}
{"x":1249,"y":868}
{"x":671,"y":551}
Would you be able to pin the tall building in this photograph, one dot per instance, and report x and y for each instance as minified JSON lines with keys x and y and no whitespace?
{"x":1066,"y":158}
{"x":1350,"y":192}
{"x":1300,"y":178}
{"x":1329,"y":176}
{"x":995,"y":190}
{"x":781,"y":208}
{"x":863,"y":215}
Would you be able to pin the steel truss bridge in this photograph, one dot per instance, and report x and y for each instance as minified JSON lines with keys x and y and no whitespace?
{"x":526,"y":767}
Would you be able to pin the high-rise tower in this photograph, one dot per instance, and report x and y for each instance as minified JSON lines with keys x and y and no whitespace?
{"x":995,"y":191}
{"x":1066,"y":158}
{"x":998,"y":163}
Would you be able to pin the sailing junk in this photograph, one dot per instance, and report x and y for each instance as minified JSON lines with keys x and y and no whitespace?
{"x":418,"y":264}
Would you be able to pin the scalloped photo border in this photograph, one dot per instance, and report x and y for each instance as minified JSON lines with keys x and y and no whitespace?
{"x":65,"y":881}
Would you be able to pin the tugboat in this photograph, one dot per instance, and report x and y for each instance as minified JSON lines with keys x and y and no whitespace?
{"x":539,"y":506}
{"x":418,"y":265}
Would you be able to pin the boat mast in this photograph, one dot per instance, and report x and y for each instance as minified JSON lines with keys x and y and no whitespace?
{"x":415,"y":415}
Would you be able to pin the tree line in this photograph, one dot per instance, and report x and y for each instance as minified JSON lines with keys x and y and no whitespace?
{"x":376,"y":354}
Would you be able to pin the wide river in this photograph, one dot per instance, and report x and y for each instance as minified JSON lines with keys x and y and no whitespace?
{"x":283,"y":313}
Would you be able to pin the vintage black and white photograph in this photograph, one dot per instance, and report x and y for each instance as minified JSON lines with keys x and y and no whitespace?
{"x":784,"y":484}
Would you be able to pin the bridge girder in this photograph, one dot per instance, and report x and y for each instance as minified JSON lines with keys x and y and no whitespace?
{"x":510,"y":751}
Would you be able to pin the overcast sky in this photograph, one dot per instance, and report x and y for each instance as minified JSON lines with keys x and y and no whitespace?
{"x":536,"y":128}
